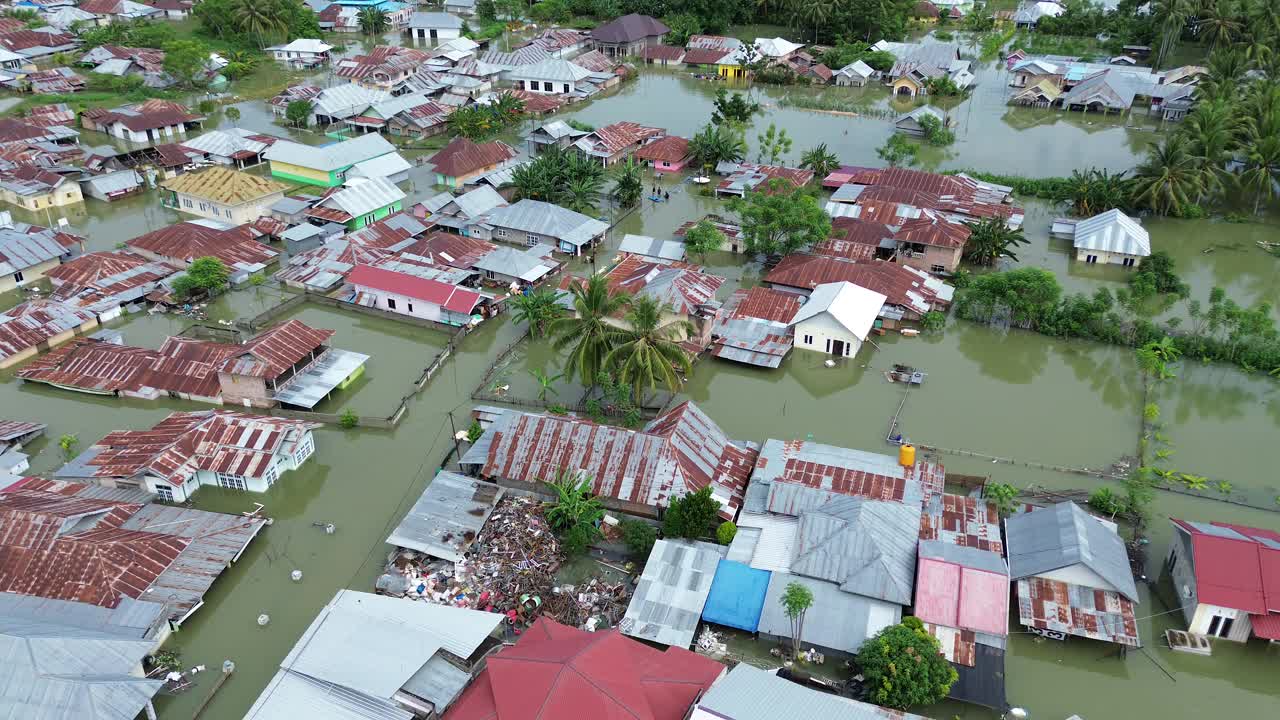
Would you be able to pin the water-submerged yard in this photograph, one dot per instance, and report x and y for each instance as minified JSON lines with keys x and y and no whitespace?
{"x":1011,"y":394}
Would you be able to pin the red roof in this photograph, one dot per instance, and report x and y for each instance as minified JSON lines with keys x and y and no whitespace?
{"x":767,"y":304}
{"x":930,"y":229}
{"x":671,"y":148}
{"x":663,"y":52}
{"x":1266,"y":626}
{"x":449,"y":297}
{"x":704,"y":56}
{"x":273,"y":352}
{"x":1235,"y":566}
{"x":463,"y":157}
{"x":967,"y":598}
{"x":537,"y":103}
{"x":150,"y":115}
{"x":901,"y":285}
{"x":555,"y":672}
{"x":458,"y":251}
{"x":27,"y":39}
{"x":618,"y":136}
{"x":187,"y":241}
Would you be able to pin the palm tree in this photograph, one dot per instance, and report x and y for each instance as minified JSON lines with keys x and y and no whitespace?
{"x":1211,"y":131}
{"x":258,"y":19}
{"x":533,"y":181}
{"x":587,"y":334}
{"x":507,"y":107}
{"x":581,"y":194}
{"x":820,"y":160}
{"x":647,"y":353}
{"x":991,"y":239}
{"x":1261,"y":166}
{"x":1227,"y":69}
{"x":814,"y":13}
{"x":1169,"y":177}
{"x":538,"y":308}
{"x":715,"y":144}
{"x":628,"y":184}
{"x":1171,"y":18}
{"x":1217,"y":24}
{"x":1093,"y":191}
{"x":373,"y":21}
{"x":546,"y":383}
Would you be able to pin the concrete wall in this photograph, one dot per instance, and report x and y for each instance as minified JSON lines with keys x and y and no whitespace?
{"x":234,"y":214}
{"x":66,"y":194}
{"x":819,"y":332}
{"x":946,"y":258}
{"x":1203,"y":617}
{"x":434,"y":34}
{"x":245,"y":390}
{"x":29,"y":275}
{"x":170,"y":131}
{"x":1106,"y":258}
{"x":544,"y":87}
{"x":310,"y":176}
{"x":1181,"y":567}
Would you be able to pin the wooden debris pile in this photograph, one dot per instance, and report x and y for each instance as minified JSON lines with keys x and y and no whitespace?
{"x":592,"y":605}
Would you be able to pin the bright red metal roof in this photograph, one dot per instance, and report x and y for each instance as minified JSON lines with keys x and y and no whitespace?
{"x":1236,"y":566}
{"x":1266,"y":626}
{"x":555,"y":672}
{"x":449,"y":297}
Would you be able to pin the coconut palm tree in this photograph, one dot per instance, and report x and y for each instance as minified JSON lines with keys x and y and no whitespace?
{"x":258,"y":19}
{"x":1211,"y":131}
{"x":1227,"y":68}
{"x":814,"y":13}
{"x":991,"y":239}
{"x":715,"y":144}
{"x":820,"y":160}
{"x":1217,"y":24}
{"x":581,"y":194}
{"x":508,"y":107}
{"x":373,"y":21}
{"x":538,"y":308}
{"x":1169,"y":178}
{"x":587,"y":334}
{"x":628,"y":184}
{"x":647,"y":353}
{"x":534,"y":180}
{"x":1261,"y":165}
{"x":1171,"y":19}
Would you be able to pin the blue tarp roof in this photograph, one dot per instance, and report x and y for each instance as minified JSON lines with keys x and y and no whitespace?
{"x":737,"y":596}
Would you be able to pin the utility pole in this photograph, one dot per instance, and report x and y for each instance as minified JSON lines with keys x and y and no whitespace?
{"x":456,"y":450}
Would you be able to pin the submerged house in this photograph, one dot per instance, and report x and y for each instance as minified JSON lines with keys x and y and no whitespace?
{"x":754,"y":327}
{"x":749,"y":693}
{"x":359,"y":203}
{"x":399,"y":660}
{"x":1111,"y":238}
{"x":114,"y":556}
{"x":183,"y":243}
{"x":326,"y":165}
{"x":148,"y":122}
{"x":615,"y":142}
{"x":669,"y":153}
{"x":836,"y":318}
{"x":414,"y":296}
{"x":38,"y":325}
{"x":186,"y":450}
{"x":290,"y":364}
{"x":302,"y":53}
{"x":30,"y":252}
{"x":531,"y":222}
{"x":628,"y":35}
{"x":1072,"y":574}
{"x":637,"y":471}
{"x":462,"y":160}
{"x":1227,"y":579}
{"x":223,"y":194}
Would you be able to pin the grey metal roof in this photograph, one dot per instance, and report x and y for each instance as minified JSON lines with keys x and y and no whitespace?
{"x":439,"y":682}
{"x":383,"y":166}
{"x":749,"y":693}
{"x":479,"y":201}
{"x":770,"y":539}
{"x":1055,"y":537}
{"x":225,"y":143}
{"x":128,"y":619}
{"x":551,"y":70}
{"x":373,"y":644}
{"x":115,"y":181}
{"x":290,"y":205}
{"x":20,"y":250}
{"x":528,"y":264}
{"x":557,"y":129}
{"x":309,"y":387}
{"x":330,"y":157}
{"x":52,"y":671}
{"x":301,"y":233}
{"x":770,"y":492}
{"x":963,"y":556}
{"x":867,"y":546}
{"x":668,"y":600}
{"x":553,"y":221}
{"x":447,"y":517}
{"x":652,"y":247}
{"x":437,"y":201}
{"x":291,"y":695}
{"x":359,"y":198}
{"x":837,"y":620}
{"x":1113,"y":232}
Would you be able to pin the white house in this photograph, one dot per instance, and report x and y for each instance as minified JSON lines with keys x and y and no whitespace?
{"x":434,"y":26}
{"x":411,"y":295}
{"x":189,"y":449}
{"x":553,"y":76}
{"x":1111,"y":237}
{"x":837,"y":318}
{"x":855,"y":74}
{"x":466,"y":8}
{"x":302,"y":53}
{"x":1227,"y":579}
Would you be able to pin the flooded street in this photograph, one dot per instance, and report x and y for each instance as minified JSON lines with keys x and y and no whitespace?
{"x":1011,"y":394}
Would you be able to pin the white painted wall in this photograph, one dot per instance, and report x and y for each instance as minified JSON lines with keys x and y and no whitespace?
{"x":813,"y":334}
{"x":124,"y":133}
{"x":557,"y":88}
{"x":1106,"y":258}
{"x":1079,"y":574}
{"x":405,"y":305}
{"x":1241,"y":628}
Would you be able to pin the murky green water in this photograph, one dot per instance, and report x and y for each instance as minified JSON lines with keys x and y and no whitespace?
{"x":1016,"y":395}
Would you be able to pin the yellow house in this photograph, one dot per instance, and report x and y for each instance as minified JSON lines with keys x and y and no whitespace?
{"x":222,"y":194}
{"x":909,"y":85}
{"x":731,"y":70}
{"x":33,"y":188}
{"x":27,"y":252}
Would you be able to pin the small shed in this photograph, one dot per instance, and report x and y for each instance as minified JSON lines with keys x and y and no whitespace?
{"x":737,"y":596}
{"x":448,"y":516}
{"x":855,"y":74}
{"x":912,"y":123}
{"x":672,"y":592}
{"x":652,"y":248}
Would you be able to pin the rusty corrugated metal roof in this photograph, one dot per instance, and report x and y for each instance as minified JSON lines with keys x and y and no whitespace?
{"x":273,"y":352}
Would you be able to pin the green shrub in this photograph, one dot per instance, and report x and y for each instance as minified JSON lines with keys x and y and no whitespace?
{"x":726,"y":532}
{"x":474,"y":431}
{"x":639,"y":537}
{"x":348,"y":419}
{"x":1106,"y":501}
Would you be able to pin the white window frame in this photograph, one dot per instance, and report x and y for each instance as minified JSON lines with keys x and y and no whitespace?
{"x":164,"y":493}
{"x":232,"y":482}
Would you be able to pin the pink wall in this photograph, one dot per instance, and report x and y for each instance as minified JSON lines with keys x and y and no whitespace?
{"x":663,"y":166}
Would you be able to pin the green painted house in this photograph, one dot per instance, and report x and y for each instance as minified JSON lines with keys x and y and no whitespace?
{"x":325,"y":165}
{"x":362,"y":202}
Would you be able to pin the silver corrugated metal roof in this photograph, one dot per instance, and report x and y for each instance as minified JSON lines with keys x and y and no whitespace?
{"x":51,"y":671}
{"x":447,"y":517}
{"x":129,"y":619}
{"x":383,"y":166}
{"x":774,"y":542}
{"x":542,"y":218}
{"x":115,"y":181}
{"x":749,"y":693}
{"x":291,"y":695}
{"x":479,"y":201}
{"x":867,"y":546}
{"x":668,"y":600}
{"x":528,"y":265}
{"x":652,"y":247}
{"x":963,"y":556}
{"x":360,"y":198}
{"x":225,"y":143}
{"x":1113,"y":232}
{"x":309,"y":387}
{"x":20,"y":250}
{"x":439,"y":682}
{"x":373,"y":644}
{"x":837,"y":620}
{"x":435,"y":20}
{"x":1052,"y":538}
{"x":337,"y":155}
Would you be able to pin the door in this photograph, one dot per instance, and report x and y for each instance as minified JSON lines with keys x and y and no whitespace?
{"x":837,"y":347}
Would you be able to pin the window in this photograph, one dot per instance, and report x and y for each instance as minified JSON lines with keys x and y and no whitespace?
{"x":1225,"y":630}
{"x":1091,"y":259}
{"x":231,"y":482}
{"x":17,"y":277}
{"x":165,"y":493}
{"x":228,"y":213}
{"x":305,"y":448}
{"x":499,"y":232}
{"x":1129,"y":262}
{"x":937,"y":269}
{"x":270,"y":476}
{"x":410,"y":307}
{"x":186,"y":201}
{"x":547,"y":86}
{"x":828,"y":344}
{"x":566,"y":87}
{"x":808,"y":339}
{"x":391,"y":303}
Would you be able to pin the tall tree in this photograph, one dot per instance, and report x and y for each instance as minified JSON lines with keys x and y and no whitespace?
{"x":820,"y":160}
{"x":715,"y":144}
{"x":648,"y":354}
{"x":538,"y":308}
{"x":373,"y":21}
{"x":1261,"y":166}
{"x":587,"y":333}
{"x":773,"y":144}
{"x":903,"y":666}
{"x":582,"y":194}
{"x":703,"y":238}
{"x":1169,"y":178}
{"x":780,"y":220}
{"x":628,"y":183}
{"x":796,"y":600}
{"x":733,"y":108}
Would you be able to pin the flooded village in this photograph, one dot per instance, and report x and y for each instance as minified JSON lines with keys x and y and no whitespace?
{"x":471,"y":359}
